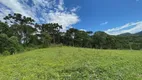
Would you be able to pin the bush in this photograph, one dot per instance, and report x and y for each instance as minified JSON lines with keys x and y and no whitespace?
{"x":15,"y":44}
{"x":6,"y":53}
{"x":12,"y":50}
{"x":56,"y":45}
{"x":9,"y":44}
{"x":4,"y":43}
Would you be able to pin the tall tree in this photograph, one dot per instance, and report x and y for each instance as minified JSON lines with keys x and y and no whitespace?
{"x":53,"y":30}
{"x":83,"y":39}
{"x":99,"y":39}
{"x":21,"y":26}
{"x":70,"y":36}
{"x":4,"y":29}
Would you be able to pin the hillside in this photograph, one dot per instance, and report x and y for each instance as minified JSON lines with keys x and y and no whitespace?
{"x":126,"y":34}
{"x":67,"y":63}
{"x":139,"y":33}
{"x":129,"y":34}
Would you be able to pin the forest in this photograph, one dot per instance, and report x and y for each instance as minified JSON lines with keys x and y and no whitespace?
{"x":19,"y":32}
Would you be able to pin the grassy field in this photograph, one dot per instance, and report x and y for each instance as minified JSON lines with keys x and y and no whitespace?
{"x":68,"y":63}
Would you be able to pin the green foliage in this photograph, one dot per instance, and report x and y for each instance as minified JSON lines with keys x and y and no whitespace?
{"x":4,"y":43}
{"x":21,"y":27}
{"x":100,"y":40}
{"x":68,"y":63}
{"x":4,"y":29}
{"x":17,"y":18}
{"x":56,"y":45}
{"x":52,"y":29}
{"x":9,"y":44}
{"x":30,"y":35}
{"x":6,"y":53}
{"x":16,"y":45}
{"x":45,"y":39}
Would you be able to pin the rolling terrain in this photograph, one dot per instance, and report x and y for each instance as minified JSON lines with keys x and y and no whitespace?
{"x":68,"y":63}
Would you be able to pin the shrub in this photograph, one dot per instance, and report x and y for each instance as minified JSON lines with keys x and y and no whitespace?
{"x":4,"y":43}
{"x":56,"y":45}
{"x":9,"y":44}
{"x":12,"y":50}
{"x":6,"y":53}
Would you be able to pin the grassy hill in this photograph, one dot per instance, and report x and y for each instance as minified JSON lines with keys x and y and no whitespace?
{"x":68,"y":63}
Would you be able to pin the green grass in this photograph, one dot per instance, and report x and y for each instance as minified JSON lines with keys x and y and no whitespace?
{"x":68,"y":63}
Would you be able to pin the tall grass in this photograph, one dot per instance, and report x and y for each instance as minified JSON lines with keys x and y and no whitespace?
{"x":68,"y":63}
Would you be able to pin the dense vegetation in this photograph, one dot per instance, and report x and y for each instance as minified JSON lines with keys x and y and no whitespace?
{"x":68,"y":63}
{"x":19,"y":32}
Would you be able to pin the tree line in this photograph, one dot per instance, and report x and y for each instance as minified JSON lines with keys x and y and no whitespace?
{"x":19,"y":32}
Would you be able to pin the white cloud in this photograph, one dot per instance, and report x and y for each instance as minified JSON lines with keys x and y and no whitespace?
{"x":104,"y":23}
{"x":60,"y":6}
{"x":43,"y":11}
{"x":83,"y":30}
{"x":75,"y":9}
{"x":4,"y":12}
{"x":65,"y":19}
{"x":133,"y":27}
{"x":15,"y":6}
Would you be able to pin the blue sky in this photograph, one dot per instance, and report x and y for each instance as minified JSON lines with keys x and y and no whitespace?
{"x":112,"y":16}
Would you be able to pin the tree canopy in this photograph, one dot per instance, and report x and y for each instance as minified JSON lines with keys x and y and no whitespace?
{"x":21,"y":31}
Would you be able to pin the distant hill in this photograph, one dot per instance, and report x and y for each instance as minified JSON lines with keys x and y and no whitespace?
{"x":139,"y":33}
{"x":129,"y":34}
{"x":126,"y":34}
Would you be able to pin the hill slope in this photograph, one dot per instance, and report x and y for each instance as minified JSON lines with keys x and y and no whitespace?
{"x":139,"y":33}
{"x":129,"y":34}
{"x":67,"y":63}
{"x":126,"y":34}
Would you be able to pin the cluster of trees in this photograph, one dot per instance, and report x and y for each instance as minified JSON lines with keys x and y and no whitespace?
{"x":20,"y":31}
